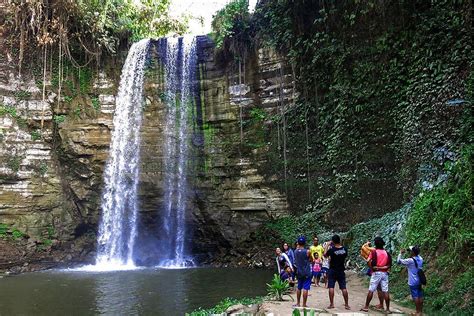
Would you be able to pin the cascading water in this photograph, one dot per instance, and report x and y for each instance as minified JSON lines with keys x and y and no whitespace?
{"x":118,"y":226}
{"x":180,"y":60}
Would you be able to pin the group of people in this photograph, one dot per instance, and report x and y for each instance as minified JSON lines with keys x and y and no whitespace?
{"x":326,"y":263}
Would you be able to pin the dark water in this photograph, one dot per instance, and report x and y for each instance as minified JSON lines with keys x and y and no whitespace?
{"x":139,"y":292}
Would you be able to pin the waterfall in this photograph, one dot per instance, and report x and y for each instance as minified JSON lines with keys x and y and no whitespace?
{"x":180,"y":61}
{"x":118,"y":226}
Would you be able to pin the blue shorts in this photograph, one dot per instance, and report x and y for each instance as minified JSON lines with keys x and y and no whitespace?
{"x":338,"y":276}
{"x":304,"y":283}
{"x":324,"y":270}
{"x":317,"y":274}
{"x":416,"y":291}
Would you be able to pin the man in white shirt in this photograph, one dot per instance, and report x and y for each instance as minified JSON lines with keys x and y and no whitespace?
{"x":413,"y":264}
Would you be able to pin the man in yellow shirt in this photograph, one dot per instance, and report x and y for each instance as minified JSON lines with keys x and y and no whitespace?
{"x":316,"y":247}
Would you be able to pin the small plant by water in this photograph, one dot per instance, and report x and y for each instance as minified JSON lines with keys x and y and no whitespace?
{"x":278,"y":288}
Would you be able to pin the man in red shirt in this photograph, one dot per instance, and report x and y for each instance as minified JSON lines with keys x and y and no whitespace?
{"x":380,"y":262}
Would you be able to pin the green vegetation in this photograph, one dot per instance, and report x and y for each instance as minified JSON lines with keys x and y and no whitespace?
{"x":288,"y":229}
{"x":58,"y":119}
{"x":373,"y":110}
{"x":305,"y":312}
{"x":370,"y":79}
{"x":68,"y":98}
{"x":440,"y":221}
{"x":7,"y":109}
{"x":7,"y":232}
{"x":278,"y":288}
{"x":223,"y":305}
{"x":3,"y":230}
{"x":21,"y":95}
{"x":16,"y":234}
{"x":47,"y":238}
{"x":89,"y":25}
{"x":41,"y":168}
{"x":231,"y":29}
{"x":95,"y":103}
{"x":11,"y":110}
{"x":230,"y":21}
{"x":443,"y":216}
{"x":35,"y":135}
{"x":77,"y":112}
{"x":442,"y":224}
{"x":14,"y":162}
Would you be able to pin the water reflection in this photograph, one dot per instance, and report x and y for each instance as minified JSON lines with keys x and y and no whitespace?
{"x":138,"y":292}
{"x":117,"y":294}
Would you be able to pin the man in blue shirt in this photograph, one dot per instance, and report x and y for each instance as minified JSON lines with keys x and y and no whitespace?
{"x":413,"y":278}
{"x":303,"y":270}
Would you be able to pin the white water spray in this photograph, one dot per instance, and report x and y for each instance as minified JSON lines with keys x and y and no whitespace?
{"x":118,"y":226}
{"x":180,"y":63}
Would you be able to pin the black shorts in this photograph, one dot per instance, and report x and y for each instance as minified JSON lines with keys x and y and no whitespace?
{"x":339,"y":276}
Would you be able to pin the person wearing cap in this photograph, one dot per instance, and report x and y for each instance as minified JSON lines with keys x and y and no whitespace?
{"x":379,"y":261}
{"x":303,"y":271}
{"x":413,"y":263}
{"x":337,"y":254}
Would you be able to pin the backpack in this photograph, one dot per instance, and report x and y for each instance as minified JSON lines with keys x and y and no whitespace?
{"x":421,"y":273}
{"x":374,"y":259}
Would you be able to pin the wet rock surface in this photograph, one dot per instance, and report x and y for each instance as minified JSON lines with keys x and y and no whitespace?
{"x":53,"y":155}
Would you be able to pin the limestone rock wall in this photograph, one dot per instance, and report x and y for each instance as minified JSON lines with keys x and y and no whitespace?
{"x":234,"y":196}
{"x":51,"y":176}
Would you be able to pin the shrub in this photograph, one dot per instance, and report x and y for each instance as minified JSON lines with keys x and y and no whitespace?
{"x":278,"y":288}
{"x":17,"y":234}
{"x":443,"y":217}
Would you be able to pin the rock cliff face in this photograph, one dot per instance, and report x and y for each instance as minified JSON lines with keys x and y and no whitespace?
{"x":51,"y":177}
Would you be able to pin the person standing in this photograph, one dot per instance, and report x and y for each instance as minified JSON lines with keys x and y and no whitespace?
{"x":337,"y":254}
{"x":291,"y":255}
{"x":282,"y":260}
{"x":303,"y":271}
{"x":325,"y":267}
{"x":365,"y":251}
{"x":413,"y":264}
{"x":317,"y":268}
{"x":379,"y":261}
{"x":289,"y":252}
{"x":316,"y":248}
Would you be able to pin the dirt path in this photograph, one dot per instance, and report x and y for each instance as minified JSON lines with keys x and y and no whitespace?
{"x":319,"y":300}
